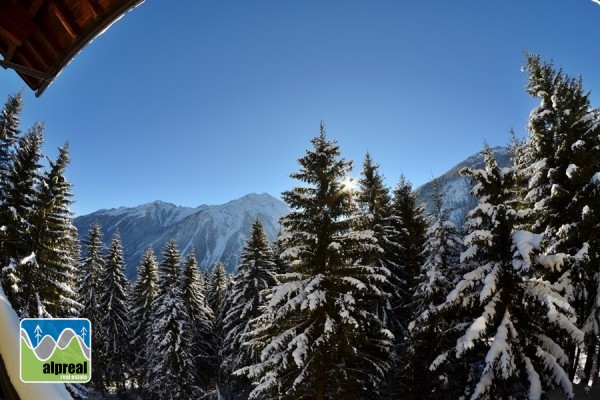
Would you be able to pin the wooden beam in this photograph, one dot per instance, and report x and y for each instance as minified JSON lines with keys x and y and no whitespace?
{"x":15,"y":22}
{"x":92,"y":9}
{"x":10,"y":52}
{"x":41,"y":60}
{"x":9,"y":36}
{"x":97,"y":7}
{"x":26,"y":70}
{"x":65,"y":19}
{"x":34,"y":7}
{"x":47,"y":41}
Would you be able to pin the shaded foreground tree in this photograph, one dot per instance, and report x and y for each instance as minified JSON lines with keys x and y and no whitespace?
{"x":514,"y":326}
{"x":316,"y":337}
{"x":560,"y":161}
{"x":255,"y":275}
{"x":142,"y":296}
{"x":172,"y":374}
{"x":114,"y":322}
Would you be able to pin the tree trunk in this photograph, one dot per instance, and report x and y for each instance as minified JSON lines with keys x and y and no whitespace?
{"x":590,"y":357}
{"x":320,"y":384}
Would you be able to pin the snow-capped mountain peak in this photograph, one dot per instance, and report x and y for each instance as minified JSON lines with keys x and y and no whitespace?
{"x":215,"y":233}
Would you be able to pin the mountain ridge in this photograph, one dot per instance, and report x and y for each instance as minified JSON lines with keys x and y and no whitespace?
{"x":216,"y":232}
{"x":219,"y":232}
{"x":457,"y":199}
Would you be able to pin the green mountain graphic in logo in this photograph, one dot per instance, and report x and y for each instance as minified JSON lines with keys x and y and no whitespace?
{"x":55,"y":350}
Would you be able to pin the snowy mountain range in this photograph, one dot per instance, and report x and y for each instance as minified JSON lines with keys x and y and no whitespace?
{"x":456,"y":189}
{"x":216,"y":233}
{"x":219,"y":232}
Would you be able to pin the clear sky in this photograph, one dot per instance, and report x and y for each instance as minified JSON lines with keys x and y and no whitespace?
{"x":202,"y":101}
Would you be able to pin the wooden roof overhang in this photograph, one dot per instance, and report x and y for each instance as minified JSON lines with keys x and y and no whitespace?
{"x":38,"y":38}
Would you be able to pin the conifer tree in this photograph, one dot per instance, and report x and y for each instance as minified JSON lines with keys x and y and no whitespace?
{"x":407,"y":234}
{"x":409,"y":227}
{"x":201,"y":319}
{"x":142,"y":296}
{"x":89,"y":294}
{"x":172,"y":375}
{"x":217,"y":287}
{"x":441,"y":254}
{"x":374,"y":213}
{"x":114,"y":321}
{"x":9,"y":133}
{"x":255,"y":274}
{"x":55,"y":238}
{"x":507,"y":319}
{"x":21,"y":280}
{"x":316,"y":335}
{"x":560,"y":162}
{"x":437,"y":278}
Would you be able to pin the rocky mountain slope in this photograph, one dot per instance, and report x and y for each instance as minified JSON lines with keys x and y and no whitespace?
{"x":456,"y":189}
{"x":216,"y":232}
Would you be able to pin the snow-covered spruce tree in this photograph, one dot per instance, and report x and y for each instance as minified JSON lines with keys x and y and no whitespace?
{"x":409,"y":227}
{"x":316,"y":336}
{"x":560,"y":160}
{"x":443,"y":246}
{"x":9,"y":134}
{"x":55,"y":238}
{"x":407,"y":234}
{"x":89,"y":292}
{"x":172,"y":375}
{"x":114,"y":308}
{"x":140,"y":312}
{"x":374,"y":213}
{"x":254,"y":275}
{"x":510,"y":316}
{"x":21,"y":279}
{"x":217,"y":287}
{"x":201,"y":320}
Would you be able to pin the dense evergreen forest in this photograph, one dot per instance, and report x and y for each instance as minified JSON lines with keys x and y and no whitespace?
{"x":362,"y":296}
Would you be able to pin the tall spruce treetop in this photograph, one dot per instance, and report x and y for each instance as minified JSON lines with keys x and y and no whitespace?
{"x":374,"y":213}
{"x":200,"y":315}
{"x":427,"y":332}
{"x":255,"y":273}
{"x":92,"y":265}
{"x":193,"y":287}
{"x":410,"y":225}
{"x":561,"y":160}
{"x":142,"y":296}
{"x":21,"y":279}
{"x":562,"y":130}
{"x":513,"y":324}
{"x":55,"y":239}
{"x":172,"y":375}
{"x":443,"y":246}
{"x":317,"y":336}
{"x":217,"y":288}
{"x":89,"y":293}
{"x":114,"y":304}
{"x":9,"y":133}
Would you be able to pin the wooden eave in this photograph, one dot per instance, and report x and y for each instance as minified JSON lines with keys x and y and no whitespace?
{"x":38,"y":38}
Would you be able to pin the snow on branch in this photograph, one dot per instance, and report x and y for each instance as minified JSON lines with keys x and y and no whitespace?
{"x":477,"y":328}
{"x":526,"y":242}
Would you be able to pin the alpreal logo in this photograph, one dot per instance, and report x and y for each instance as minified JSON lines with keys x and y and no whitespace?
{"x":56,"y":350}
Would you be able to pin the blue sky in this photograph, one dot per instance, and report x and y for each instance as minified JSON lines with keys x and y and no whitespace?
{"x":202,"y":101}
